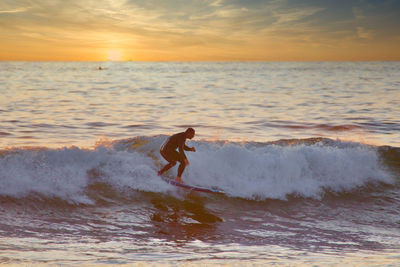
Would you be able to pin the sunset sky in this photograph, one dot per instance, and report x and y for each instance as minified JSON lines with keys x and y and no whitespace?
{"x":200,"y":30}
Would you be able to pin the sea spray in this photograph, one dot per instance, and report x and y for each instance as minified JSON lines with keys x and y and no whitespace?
{"x":66,"y":173}
{"x":275,"y":171}
{"x":246,"y":170}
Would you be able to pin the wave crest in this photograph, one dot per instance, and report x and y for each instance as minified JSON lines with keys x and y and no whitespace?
{"x":306,"y":168}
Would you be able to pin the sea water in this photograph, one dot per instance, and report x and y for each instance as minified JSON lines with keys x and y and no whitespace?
{"x":307,"y":154}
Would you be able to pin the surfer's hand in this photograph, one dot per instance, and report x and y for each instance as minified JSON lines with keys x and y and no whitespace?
{"x":186,"y":162}
{"x":193,"y":149}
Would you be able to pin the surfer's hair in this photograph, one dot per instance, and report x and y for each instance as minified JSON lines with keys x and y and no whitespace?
{"x":189,"y":130}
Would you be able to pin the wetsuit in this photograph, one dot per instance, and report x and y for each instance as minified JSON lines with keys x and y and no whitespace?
{"x":168,"y":150}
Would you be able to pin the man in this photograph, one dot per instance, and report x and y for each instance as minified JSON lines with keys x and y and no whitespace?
{"x":168,"y":151}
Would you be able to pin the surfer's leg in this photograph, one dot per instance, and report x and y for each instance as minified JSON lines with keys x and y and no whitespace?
{"x":171,"y":158}
{"x":181,"y":168}
{"x":167,"y":167}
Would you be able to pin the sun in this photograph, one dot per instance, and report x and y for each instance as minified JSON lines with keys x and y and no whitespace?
{"x":114,"y":55}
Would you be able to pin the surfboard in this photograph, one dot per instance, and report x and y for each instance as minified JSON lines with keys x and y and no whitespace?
{"x":191,"y":187}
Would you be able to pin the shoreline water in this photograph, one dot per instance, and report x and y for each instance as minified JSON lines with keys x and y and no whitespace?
{"x":308,"y":153}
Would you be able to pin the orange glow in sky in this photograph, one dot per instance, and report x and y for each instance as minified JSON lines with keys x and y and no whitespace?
{"x":206,"y":30}
{"x":114,"y":55}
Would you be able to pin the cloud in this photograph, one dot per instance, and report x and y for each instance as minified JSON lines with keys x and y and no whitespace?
{"x":213,"y":26}
{"x":17,"y":10}
{"x":363,"y":33}
{"x":359,"y":13}
{"x":217,"y":3}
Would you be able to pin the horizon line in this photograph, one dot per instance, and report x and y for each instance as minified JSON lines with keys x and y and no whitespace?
{"x":200,"y":61}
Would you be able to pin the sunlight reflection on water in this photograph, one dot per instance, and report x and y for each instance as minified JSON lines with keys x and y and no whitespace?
{"x":69,"y":103}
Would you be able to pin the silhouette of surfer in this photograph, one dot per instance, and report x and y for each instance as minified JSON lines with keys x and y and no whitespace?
{"x":169,"y":153}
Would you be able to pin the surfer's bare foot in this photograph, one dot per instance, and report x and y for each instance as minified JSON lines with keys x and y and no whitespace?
{"x":179,"y":180}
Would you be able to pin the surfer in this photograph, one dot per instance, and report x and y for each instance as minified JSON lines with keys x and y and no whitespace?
{"x":169,"y":153}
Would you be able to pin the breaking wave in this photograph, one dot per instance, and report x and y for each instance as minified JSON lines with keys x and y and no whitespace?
{"x":274,"y":170}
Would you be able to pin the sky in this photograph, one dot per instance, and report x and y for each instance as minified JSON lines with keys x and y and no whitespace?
{"x":200,"y":30}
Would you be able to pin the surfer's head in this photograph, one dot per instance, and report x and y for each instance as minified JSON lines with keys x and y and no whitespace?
{"x":189,"y":133}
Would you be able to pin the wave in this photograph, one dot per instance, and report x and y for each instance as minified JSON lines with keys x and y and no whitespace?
{"x":325,"y":127}
{"x":274,"y":170}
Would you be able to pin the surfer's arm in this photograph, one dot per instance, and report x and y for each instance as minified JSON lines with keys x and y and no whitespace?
{"x":189,"y":148}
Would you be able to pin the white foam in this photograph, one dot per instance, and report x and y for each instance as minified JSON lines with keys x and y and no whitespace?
{"x":55,"y":173}
{"x":64,"y":173}
{"x":249,"y":171}
{"x":273,"y":171}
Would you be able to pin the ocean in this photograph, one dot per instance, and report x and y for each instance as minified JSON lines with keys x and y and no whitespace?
{"x":307,"y":153}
